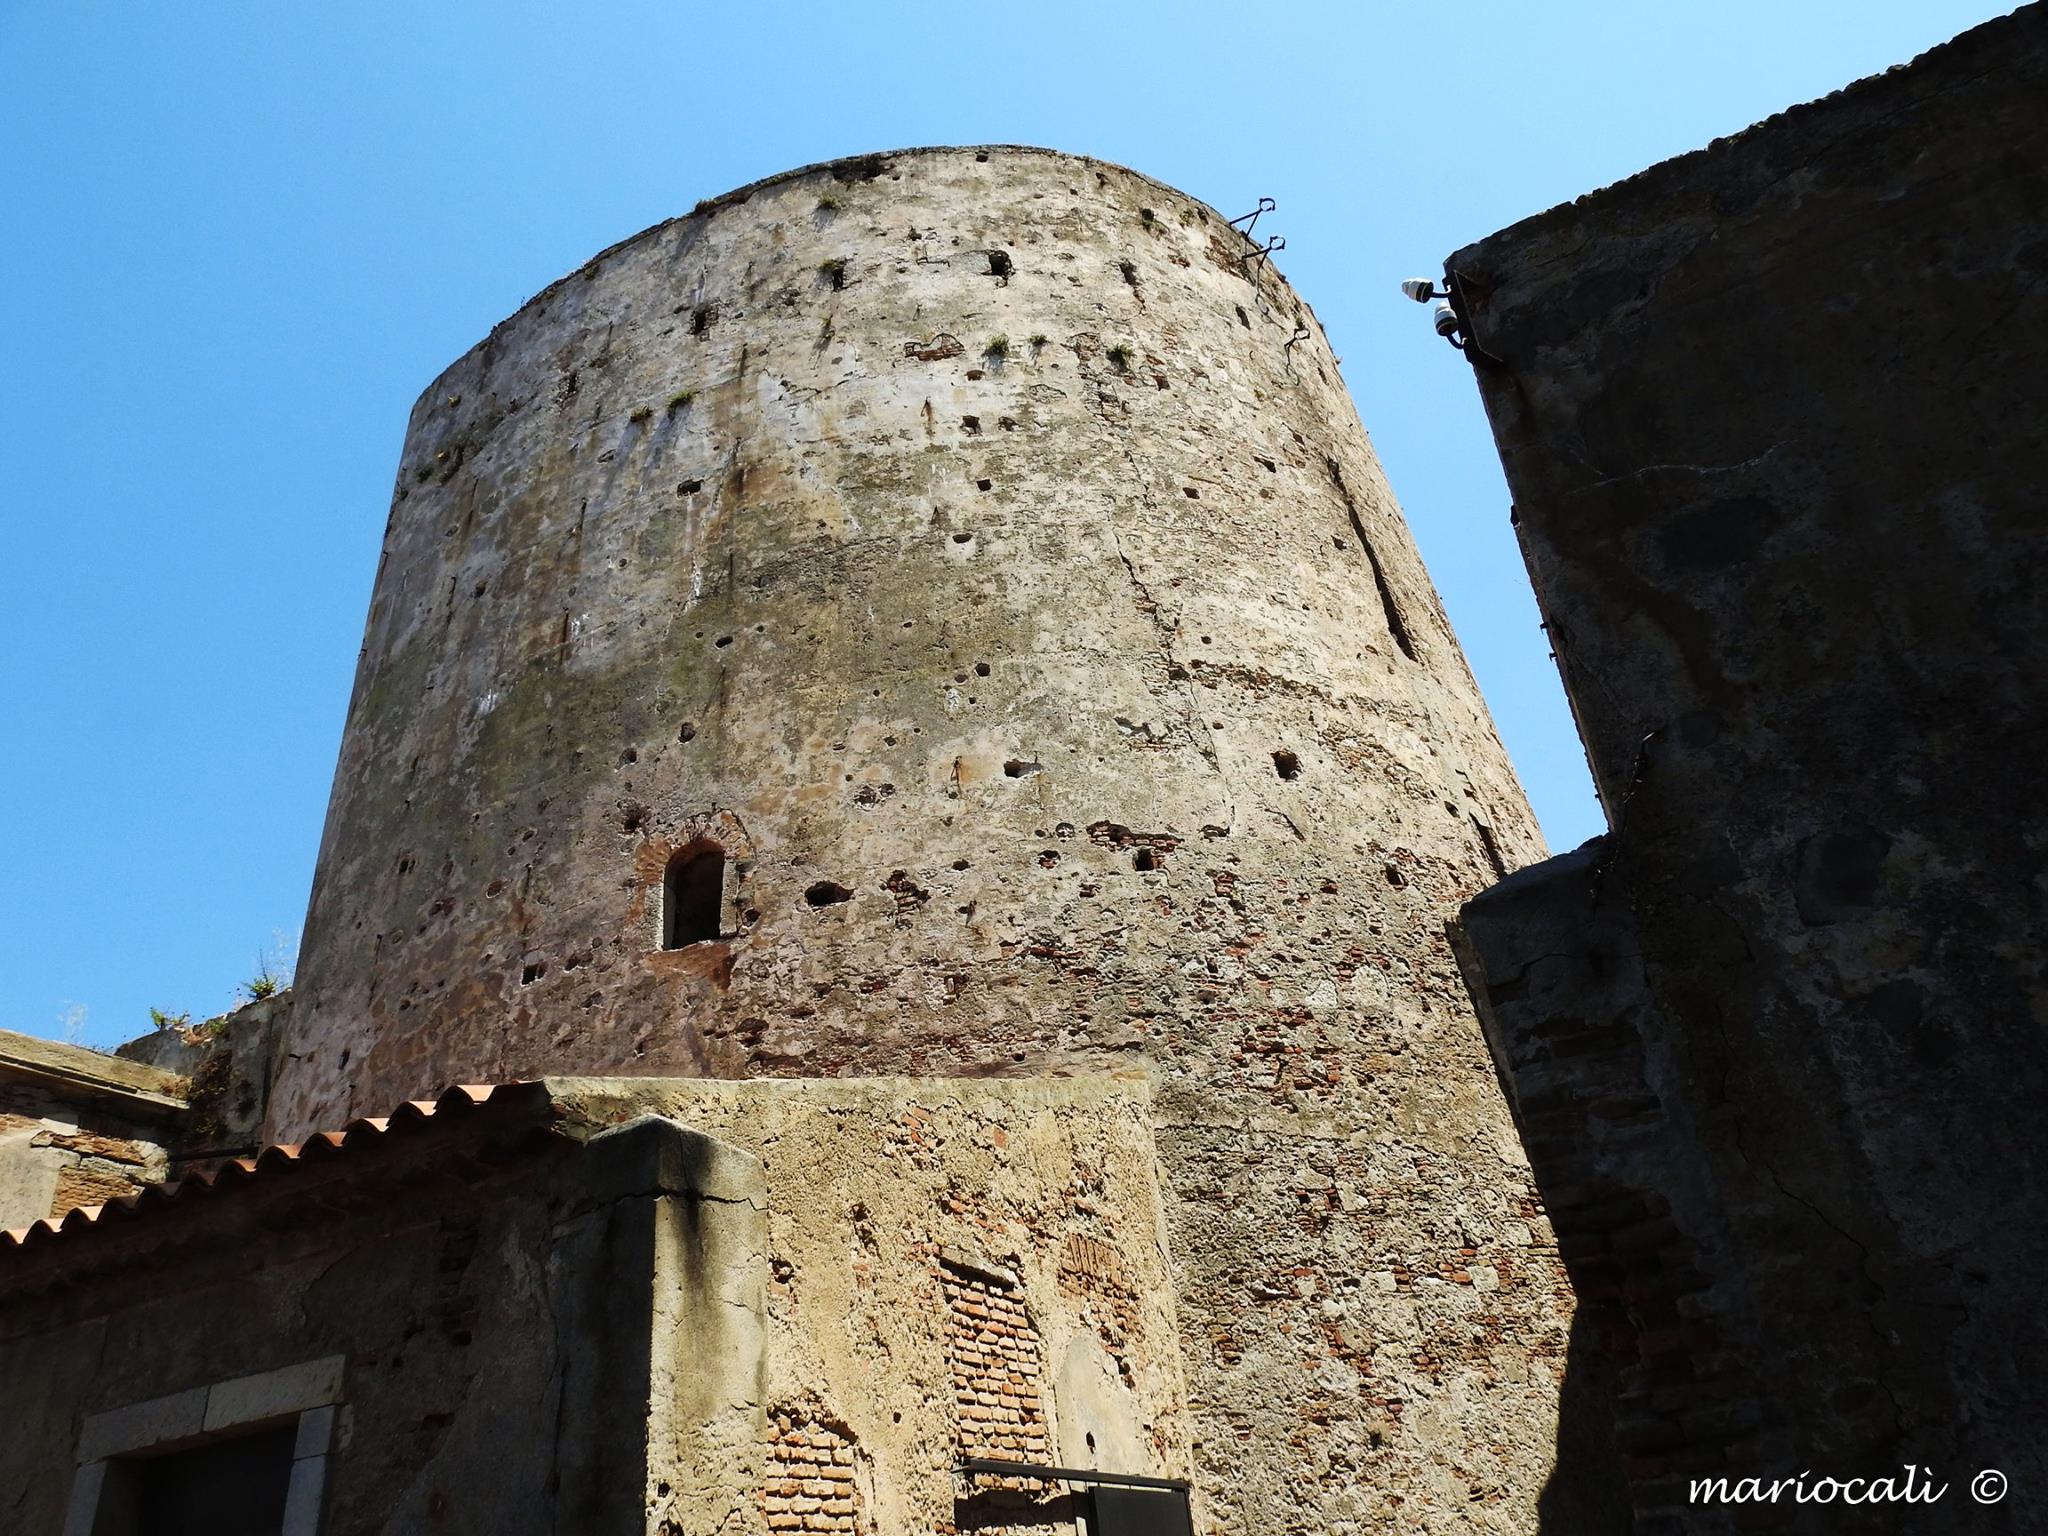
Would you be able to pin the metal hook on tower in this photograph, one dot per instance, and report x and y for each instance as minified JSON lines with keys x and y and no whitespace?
{"x":1265,"y":252}
{"x":1266,"y":205}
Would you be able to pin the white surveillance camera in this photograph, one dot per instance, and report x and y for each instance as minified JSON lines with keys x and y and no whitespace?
{"x":1446,"y":320}
{"x":1420,"y":289}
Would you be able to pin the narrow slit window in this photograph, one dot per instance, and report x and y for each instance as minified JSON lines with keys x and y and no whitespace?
{"x":693,"y":895}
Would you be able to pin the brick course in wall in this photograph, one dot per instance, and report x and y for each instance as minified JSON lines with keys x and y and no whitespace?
{"x":809,"y":1485}
{"x":1093,"y":1272}
{"x":83,"y":1167}
{"x":993,"y":1350}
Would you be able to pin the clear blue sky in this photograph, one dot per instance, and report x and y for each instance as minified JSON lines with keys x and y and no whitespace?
{"x":237,"y":240}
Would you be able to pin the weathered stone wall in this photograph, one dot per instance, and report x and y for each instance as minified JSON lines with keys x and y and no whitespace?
{"x":1771,"y":416}
{"x":979,"y":546}
{"x":228,"y":1065}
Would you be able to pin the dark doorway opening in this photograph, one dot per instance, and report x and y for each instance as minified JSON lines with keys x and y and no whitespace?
{"x":231,"y":1488}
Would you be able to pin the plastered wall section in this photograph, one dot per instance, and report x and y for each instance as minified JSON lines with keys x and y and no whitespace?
{"x":794,"y":1313}
{"x":78,"y":1127}
{"x":56,"y":1154}
{"x":952,"y":1268}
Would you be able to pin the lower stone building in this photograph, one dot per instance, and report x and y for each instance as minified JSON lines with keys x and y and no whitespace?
{"x":643,"y":1305}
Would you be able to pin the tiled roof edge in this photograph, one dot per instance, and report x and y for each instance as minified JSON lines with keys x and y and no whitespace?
{"x":454,"y":1106}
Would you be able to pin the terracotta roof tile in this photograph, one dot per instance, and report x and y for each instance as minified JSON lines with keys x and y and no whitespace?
{"x":454,"y":1105}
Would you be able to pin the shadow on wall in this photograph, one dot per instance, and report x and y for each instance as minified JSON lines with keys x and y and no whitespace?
{"x":1587,"y":1494}
{"x":1549,"y":958}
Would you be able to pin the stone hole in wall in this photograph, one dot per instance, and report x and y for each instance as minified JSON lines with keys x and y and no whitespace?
{"x":1286,"y":764}
{"x":1491,"y":847}
{"x":827,"y":893}
{"x":702,"y":319}
{"x":692,"y":895}
{"x":1000,"y":266}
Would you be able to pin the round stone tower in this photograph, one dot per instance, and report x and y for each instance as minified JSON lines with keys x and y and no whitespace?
{"x":938,"y":614}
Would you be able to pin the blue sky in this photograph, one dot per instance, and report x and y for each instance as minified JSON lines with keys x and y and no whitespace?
{"x":236,"y":240}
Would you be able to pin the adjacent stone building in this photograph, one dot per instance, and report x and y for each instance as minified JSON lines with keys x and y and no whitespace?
{"x":1771,"y":414}
{"x":553,"y":1308}
{"x":78,"y":1128}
